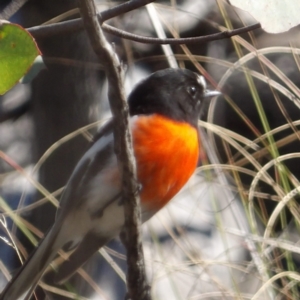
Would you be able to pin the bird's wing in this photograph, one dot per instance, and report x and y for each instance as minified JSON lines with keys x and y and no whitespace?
{"x":89,"y":245}
{"x":88,"y":202}
{"x":99,"y":157}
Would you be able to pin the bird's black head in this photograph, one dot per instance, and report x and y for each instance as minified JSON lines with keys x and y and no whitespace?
{"x":176,"y":93}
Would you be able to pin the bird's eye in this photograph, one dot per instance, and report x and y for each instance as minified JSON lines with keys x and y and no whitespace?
{"x":192,"y":90}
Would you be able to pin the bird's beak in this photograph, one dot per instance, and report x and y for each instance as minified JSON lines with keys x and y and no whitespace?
{"x":209,"y":93}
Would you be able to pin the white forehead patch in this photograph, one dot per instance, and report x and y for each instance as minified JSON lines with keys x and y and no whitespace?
{"x":202,"y":81}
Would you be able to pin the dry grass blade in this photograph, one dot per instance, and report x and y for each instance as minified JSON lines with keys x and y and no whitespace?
{"x":161,"y":34}
{"x":293,"y":275}
{"x":111,"y":262}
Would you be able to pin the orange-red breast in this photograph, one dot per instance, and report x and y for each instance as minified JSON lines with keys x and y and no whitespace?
{"x":164,"y":110}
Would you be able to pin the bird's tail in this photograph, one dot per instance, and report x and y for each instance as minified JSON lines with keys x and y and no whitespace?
{"x":24,"y":282}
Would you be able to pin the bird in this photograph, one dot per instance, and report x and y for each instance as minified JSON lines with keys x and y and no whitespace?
{"x":164,"y":111}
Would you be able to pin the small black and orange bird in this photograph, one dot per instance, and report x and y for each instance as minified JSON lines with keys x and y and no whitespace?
{"x":164,"y":109}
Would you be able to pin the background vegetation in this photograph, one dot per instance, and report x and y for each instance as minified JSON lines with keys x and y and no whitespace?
{"x":232,"y":233}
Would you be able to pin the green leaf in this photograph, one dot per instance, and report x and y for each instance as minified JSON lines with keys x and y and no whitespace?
{"x":18,"y":51}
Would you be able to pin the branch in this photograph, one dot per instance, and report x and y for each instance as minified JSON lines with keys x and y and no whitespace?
{"x":136,"y":278}
{"x":75,"y":25}
{"x":172,"y":41}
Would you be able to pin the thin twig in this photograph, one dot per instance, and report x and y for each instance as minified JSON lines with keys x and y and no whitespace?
{"x":122,"y":9}
{"x":180,"y":41}
{"x":75,"y":25}
{"x":68,"y":27}
{"x":136,"y":278}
